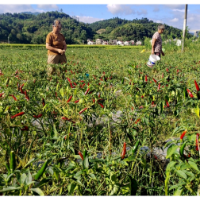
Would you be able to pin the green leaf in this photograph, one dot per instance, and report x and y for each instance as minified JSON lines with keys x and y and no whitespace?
{"x":38,"y":191}
{"x":129,"y":159}
{"x":22,"y":178}
{"x":193,"y":165}
{"x":62,"y":92}
{"x":115,"y":190}
{"x":173,"y":187}
{"x":171,"y":150}
{"x":178,"y":192}
{"x":10,"y":189}
{"x":29,"y":162}
{"x":86,"y":162}
{"x":181,"y":174}
{"x":78,"y":175}
{"x":55,"y":131}
{"x":28,"y":178}
{"x":71,"y":188}
{"x":92,"y":176}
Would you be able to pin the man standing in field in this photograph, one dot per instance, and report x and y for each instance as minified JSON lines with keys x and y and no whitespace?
{"x":157,"y":41}
{"x":56,"y":45}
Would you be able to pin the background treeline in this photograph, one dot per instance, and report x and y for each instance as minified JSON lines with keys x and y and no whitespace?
{"x":33,"y":28}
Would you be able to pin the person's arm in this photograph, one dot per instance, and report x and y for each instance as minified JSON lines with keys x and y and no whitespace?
{"x":152,"y":44}
{"x":65,"y":45}
{"x":53,"y":49}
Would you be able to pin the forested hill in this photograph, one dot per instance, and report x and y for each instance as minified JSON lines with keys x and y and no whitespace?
{"x":31,"y":28}
{"x":140,"y":28}
{"x":34,"y":27}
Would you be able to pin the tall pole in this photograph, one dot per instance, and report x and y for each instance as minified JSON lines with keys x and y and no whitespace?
{"x":184,"y":27}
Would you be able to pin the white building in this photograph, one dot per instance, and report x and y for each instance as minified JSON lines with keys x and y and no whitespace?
{"x":105,"y":43}
{"x":178,"y":43}
{"x":120,"y":43}
{"x":90,"y":43}
{"x":132,"y":42}
{"x":99,"y":41}
{"x":138,"y":43}
{"x":127,"y":43}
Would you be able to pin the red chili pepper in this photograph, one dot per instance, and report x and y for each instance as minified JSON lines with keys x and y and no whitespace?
{"x":37,"y":116}
{"x":177,"y":71}
{"x":196,"y":85}
{"x":83,"y":110}
{"x":137,"y":121}
{"x":141,"y":107}
{"x":191,"y":95}
{"x":16,"y":72}
{"x":167,"y":103}
{"x":56,"y":94}
{"x":80,"y":154}
{"x":26,"y":128}
{"x":155,"y":157}
{"x":82,"y":85}
{"x":87,"y":91}
{"x":158,"y":86}
{"x":71,"y":85}
{"x":123,"y":151}
{"x":13,"y":97}
{"x":101,"y":105}
{"x":91,"y":92}
{"x":76,"y":101}
{"x":197,"y":142}
{"x":21,"y":90}
{"x":69,"y":99}
{"x":183,"y":134}
{"x":1,"y":74}
{"x":1,"y":94}
{"x":66,"y":119}
{"x":99,"y":95}
{"x":142,"y":96}
{"x":69,"y":80}
{"x":145,"y":78}
{"x":19,"y":114}
{"x":88,"y":84}
{"x":93,"y":100}
{"x":43,"y":102}
{"x":155,"y":80}
{"x":75,"y":84}
{"x":167,"y":70}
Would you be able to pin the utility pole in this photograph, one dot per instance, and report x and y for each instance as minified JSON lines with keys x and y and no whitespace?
{"x":184,"y":27}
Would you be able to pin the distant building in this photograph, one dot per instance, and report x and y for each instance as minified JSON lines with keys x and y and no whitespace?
{"x":132,"y":42}
{"x":105,"y":43}
{"x":138,"y":43}
{"x":90,"y":43}
{"x":88,"y":40}
{"x":114,"y":42}
{"x":99,"y":41}
{"x":127,"y":43}
{"x":178,"y":43}
{"x":120,"y":43}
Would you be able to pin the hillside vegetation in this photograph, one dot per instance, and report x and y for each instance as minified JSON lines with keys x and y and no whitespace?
{"x":33,"y":28}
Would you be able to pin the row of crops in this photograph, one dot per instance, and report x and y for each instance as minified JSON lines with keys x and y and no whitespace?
{"x":62,"y":135}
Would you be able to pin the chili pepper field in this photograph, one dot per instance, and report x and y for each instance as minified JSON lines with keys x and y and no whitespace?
{"x":93,"y":127}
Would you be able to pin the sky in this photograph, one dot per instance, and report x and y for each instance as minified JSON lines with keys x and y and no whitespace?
{"x":170,"y":14}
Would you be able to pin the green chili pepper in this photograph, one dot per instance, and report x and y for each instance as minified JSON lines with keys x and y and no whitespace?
{"x":84,"y":154}
{"x":182,"y":149}
{"x":7,"y":167}
{"x":123,"y":81}
{"x":134,"y":149}
{"x":41,"y":171}
{"x":12,"y":161}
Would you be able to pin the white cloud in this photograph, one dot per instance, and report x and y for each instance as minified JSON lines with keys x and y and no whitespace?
{"x":156,"y":9}
{"x":17,"y":8}
{"x":88,"y":19}
{"x":174,"y":20}
{"x":142,"y":12}
{"x":178,"y":10}
{"x":48,"y":6}
{"x":120,"y":9}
